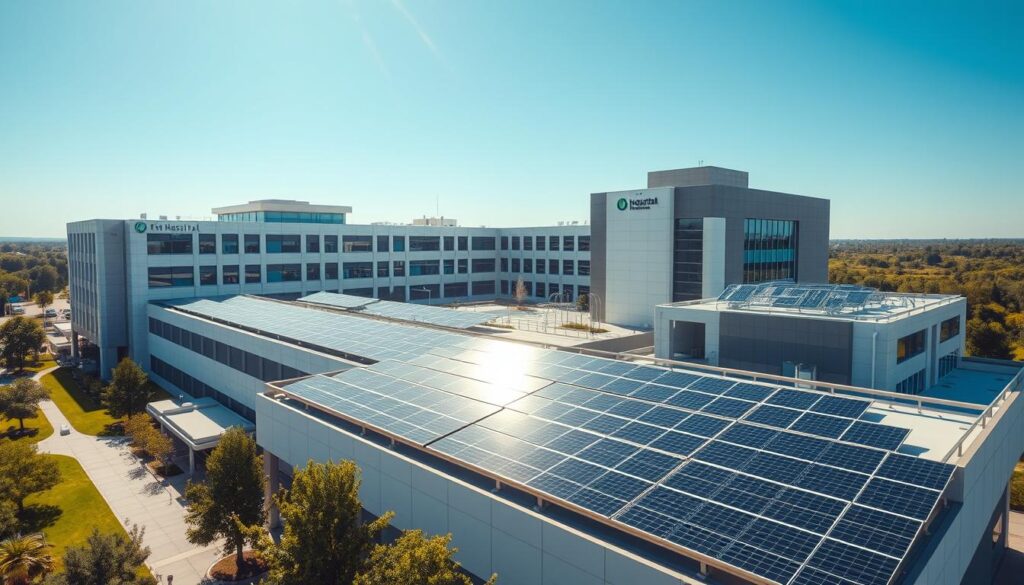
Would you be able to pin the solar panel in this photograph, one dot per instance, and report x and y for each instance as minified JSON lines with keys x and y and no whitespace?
{"x":899,"y":498}
{"x":875,"y":435}
{"x":855,"y":564}
{"x":337,"y":300}
{"x":441,"y":316}
{"x":916,"y":471}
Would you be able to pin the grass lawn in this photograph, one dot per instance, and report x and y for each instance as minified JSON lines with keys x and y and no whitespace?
{"x":44,"y":362}
{"x":1017,"y":488}
{"x":37,"y":427}
{"x":84,"y":413}
{"x":67,"y":513}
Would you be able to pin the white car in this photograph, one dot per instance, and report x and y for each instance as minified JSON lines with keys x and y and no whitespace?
{"x":50,"y":313}
{"x":18,"y":310}
{"x":65,"y":429}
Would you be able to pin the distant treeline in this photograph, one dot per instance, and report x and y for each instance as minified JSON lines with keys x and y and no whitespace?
{"x":990,"y":273}
{"x":27,"y":268}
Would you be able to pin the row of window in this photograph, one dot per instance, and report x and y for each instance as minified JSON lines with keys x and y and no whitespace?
{"x":909,"y":346}
{"x":283,"y":217}
{"x":426,"y":292}
{"x":567,"y":243}
{"x":913,"y":384}
{"x":769,"y":250}
{"x":197,"y":388}
{"x":172,"y":276}
{"x":237,"y":359}
{"x":527,"y":265}
{"x":161,"y":244}
{"x":949,"y":328}
{"x":551,"y":290}
{"x":687,"y":259}
{"x":947,"y":363}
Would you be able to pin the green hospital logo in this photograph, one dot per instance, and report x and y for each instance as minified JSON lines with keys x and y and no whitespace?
{"x":622,"y":204}
{"x":140,"y":227}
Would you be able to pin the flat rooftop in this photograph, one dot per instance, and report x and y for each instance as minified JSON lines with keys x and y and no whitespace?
{"x":831,"y":301}
{"x":761,"y":480}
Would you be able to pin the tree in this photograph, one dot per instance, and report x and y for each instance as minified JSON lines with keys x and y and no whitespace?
{"x":322,"y":506}
{"x":19,"y":336}
{"x":136,"y":426}
{"x":520,"y":293}
{"x":24,"y":558}
{"x":105,"y":559}
{"x":987,"y":339}
{"x":414,"y":560}
{"x":128,"y":391}
{"x":231,"y":498}
{"x":8,"y":518}
{"x":23,"y":472}
{"x":20,"y":400}
{"x":43,"y":299}
{"x":44,"y":277}
{"x":160,"y":447}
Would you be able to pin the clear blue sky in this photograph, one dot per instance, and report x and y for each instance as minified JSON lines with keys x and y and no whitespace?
{"x":909,"y":116}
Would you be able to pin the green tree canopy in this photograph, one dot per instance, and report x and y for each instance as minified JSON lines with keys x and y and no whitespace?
{"x":20,"y":336}
{"x":322,"y":506}
{"x":20,"y":399}
{"x":24,"y":558}
{"x":231,"y":498}
{"x":128,"y":391}
{"x":414,"y":560}
{"x":23,"y":472}
{"x":105,"y":559}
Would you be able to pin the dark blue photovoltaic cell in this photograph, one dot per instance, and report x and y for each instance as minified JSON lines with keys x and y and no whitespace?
{"x":596,"y":501}
{"x":874,"y":435}
{"x":647,"y":373}
{"x":851,"y":457}
{"x":772,"y":566}
{"x":729,"y":407}
{"x":746,"y":391}
{"x":689,"y":399}
{"x":607,"y":452}
{"x":775,"y":467}
{"x":748,"y":435}
{"x":916,"y":471}
{"x":725,"y":455}
{"x":775,"y":416}
{"x":831,"y":482}
{"x":698,"y":539}
{"x":554,"y":485}
{"x":639,"y":433}
{"x":853,"y":563}
{"x":906,"y":500}
{"x":619,"y":485}
{"x":812,"y":576}
{"x":676,"y":379}
{"x":663,"y":417}
{"x":605,"y":424}
{"x":677,"y":443}
{"x":799,"y":446}
{"x":649,"y":521}
{"x":649,"y":465}
{"x":701,"y":425}
{"x":838,"y":406}
{"x":671,"y":503}
{"x":622,"y":386}
{"x":793,"y":398}
{"x":821,"y":425}
{"x":804,"y":510}
{"x":578,"y":471}
{"x":653,"y":392}
{"x":779,"y":539}
{"x":741,"y":500}
{"x":876,"y":530}
{"x":710,"y":385}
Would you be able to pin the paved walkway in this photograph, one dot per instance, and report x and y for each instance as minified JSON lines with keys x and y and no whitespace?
{"x":1012,"y":568}
{"x":135,"y":496}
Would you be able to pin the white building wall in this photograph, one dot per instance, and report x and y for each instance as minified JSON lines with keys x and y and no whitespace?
{"x":713,"y":260}
{"x":492,"y":534}
{"x":666,"y":314}
{"x":639,"y":263}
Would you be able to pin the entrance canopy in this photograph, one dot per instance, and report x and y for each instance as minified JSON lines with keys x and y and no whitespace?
{"x":197,"y":423}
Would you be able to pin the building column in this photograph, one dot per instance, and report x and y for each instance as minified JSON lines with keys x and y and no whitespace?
{"x":74,"y":344}
{"x":191,"y":461}
{"x":271,"y":468}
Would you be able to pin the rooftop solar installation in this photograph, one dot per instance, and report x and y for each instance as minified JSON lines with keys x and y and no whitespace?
{"x":787,"y":485}
{"x":441,"y":316}
{"x":827,"y":297}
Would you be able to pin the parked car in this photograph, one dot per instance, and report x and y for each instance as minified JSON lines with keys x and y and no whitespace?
{"x":18,"y":310}
{"x":50,"y":313}
{"x":65,"y":429}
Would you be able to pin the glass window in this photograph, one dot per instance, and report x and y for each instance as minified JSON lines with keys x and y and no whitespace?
{"x":504,"y":287}
{"x":168,"y":276}
{"x":769,"y":250}
{"x":584,"y":242}
{"x":483,"y":287}
{"x":331,"y":271}
{"x":398,"y":268}
{"x":552,"y":266}
{"x":284,"y":272}
{"x":504,"y":242}
{"x":229,"y":274}
{"x":456,"y":289}
{"x":383,"y":269}
{"x":207,"y":243}
{"x":283,"y":244}
{"x":528,"y":243}
{"x":229,"y":243}
{"x":568,"y":243}
{"x":357,"y":270}
{"x":688,"y":259}
{"x":313,"y":271}
{"x":515,"y":242}
{"x":483,"y":265}
{"x":541,"y":243}
{"x":463,"y":243}
{"x":483,"y":242}
{"x":949,"y":328}
{"x":426,"y":292}
{"x":910,"y":346}
{"x":504,"y":264}
{"x":912,"y":384}
{"x":359,"y":292}
{"x":463,"y":266}
{"x":207,"y":275}
{"x":553,"y":243}
{"x":157,"y":244}
{"x":252,"y":273}
{"x":515,"y":265}
{"x":424,"y":267}
{"x":331,"y":244}
{"x":424,"y":243}
{"x":541,"y":264}
{"x":399,"y":244}
{"x":567,"y":266}
{"x":449,"y":266}
{"x":252,"y":243}
{"x":312,"y":243}
{"x":449,"y":243}
{"x":357,"y":244}
{"x":383,"y":245}
{"x":583,"y":267}
{"x":528,"y":265}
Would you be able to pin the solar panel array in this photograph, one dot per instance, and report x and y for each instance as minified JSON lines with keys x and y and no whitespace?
{"x":440,"y":316}
{"x":828,"y":297}
{"x":794,"y":486}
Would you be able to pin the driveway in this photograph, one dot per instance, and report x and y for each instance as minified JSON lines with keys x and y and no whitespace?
{"x":135,"y":496}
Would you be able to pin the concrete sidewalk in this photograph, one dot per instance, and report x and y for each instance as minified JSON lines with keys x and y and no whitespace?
{"x":135,"y":496}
